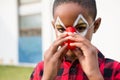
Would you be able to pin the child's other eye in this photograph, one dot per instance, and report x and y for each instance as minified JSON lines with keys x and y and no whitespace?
{"x":81,"y":27}
{"x":60,"y":28}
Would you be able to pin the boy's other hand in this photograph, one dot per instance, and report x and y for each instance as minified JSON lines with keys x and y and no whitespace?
{"x":53,"y":57}
{"x":87,"y":55}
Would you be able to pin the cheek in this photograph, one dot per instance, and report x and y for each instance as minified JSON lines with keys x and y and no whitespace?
{"x":57,"y":33}
{"x":89,"y":34}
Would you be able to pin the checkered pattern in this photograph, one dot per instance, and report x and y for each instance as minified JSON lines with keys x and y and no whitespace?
{"x":110,"y":70}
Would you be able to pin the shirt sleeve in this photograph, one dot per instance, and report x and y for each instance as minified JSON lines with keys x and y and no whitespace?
{"x":117,"y":73}
{"x":38,"y":72}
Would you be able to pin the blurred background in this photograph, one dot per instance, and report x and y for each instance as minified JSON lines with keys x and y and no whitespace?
{"x":26,"y":30}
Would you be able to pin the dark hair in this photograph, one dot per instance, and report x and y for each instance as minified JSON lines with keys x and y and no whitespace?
{"x":89,"y":5}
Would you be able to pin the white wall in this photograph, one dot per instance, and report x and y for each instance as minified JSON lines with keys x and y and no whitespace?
{"x":8,"y":32}
{"x":107,"y":39}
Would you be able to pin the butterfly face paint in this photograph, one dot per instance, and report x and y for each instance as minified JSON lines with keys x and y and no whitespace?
{"x":80,"y":24}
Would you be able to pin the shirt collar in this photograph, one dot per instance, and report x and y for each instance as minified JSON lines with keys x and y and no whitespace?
{"x":100,"y":57}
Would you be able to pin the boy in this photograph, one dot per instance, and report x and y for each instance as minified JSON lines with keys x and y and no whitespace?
{"x":72,"y":56}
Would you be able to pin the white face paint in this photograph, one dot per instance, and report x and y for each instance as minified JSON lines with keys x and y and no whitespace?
{"x":59,"y":26}
{"x":80,"y":24}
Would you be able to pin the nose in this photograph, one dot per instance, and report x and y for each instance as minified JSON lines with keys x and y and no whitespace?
{"x":70,"y":29}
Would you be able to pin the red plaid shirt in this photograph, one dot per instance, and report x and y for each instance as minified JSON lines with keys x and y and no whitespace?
{"x":110,"y":70}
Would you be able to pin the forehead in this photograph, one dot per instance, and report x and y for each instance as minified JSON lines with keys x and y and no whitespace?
{"x":68,"y":12}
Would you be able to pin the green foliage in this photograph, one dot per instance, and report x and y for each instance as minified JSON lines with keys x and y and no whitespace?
{"x":15,"y":73}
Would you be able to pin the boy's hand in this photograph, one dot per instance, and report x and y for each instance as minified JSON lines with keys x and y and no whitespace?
{"x":87,"y":56}
{"x":53,"y":57}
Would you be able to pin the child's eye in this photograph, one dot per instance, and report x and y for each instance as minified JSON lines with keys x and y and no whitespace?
{"x":60,"y":28}
{"x":81,"y":28}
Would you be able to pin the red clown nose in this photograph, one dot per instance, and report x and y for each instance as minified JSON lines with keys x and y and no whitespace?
{"x":72,"y":30}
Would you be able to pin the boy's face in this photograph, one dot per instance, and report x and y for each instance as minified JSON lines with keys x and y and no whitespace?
{"x":68,"y":13}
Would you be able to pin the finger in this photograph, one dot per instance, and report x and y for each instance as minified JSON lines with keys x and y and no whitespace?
{"x":78,"y":52}
{"x":62,"y":35}
{"x":61,"y":52}
{"x":80,"y":45}
{"x":86,"y":50}
{"x":57,"y":43}
{"x":78,"y":38}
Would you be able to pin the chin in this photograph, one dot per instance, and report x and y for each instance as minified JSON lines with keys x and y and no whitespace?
{"x":70,"y":53}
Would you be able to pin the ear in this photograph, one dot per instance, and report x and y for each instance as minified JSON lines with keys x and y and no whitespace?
{"x":97,"y":24}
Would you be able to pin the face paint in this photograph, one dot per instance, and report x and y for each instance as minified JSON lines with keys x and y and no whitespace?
{"x":59,"y":26}
{"x":81,"y":25}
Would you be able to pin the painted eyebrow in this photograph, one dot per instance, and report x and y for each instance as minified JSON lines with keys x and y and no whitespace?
{"x":81,"y":23}
{"x":59,"y":27}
